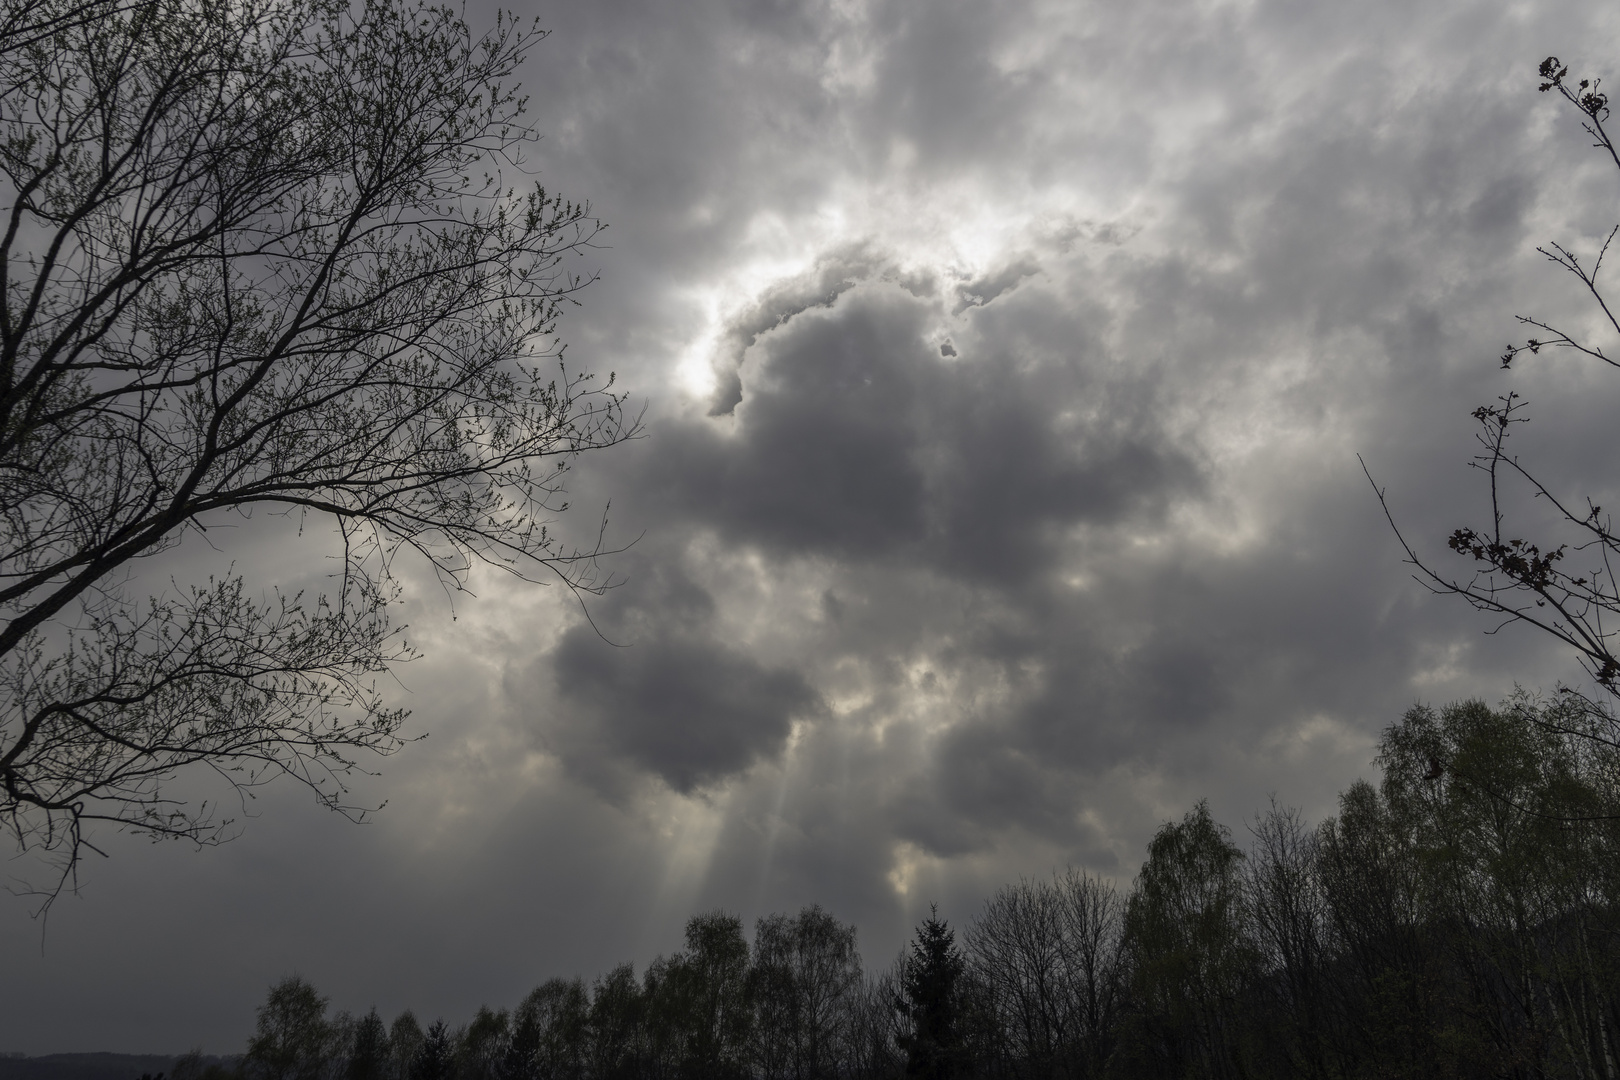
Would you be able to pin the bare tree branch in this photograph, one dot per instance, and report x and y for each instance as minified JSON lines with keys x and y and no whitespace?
{"x":1562,"y":584}
{"x":258,"y":254}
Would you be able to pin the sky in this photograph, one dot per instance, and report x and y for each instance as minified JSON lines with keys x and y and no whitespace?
{"x":1008,"y":373}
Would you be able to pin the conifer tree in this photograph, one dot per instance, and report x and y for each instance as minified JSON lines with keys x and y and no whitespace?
{"x":368,"y":1057}
{"x":433,"y":1056}
{"x":932,"y":1001}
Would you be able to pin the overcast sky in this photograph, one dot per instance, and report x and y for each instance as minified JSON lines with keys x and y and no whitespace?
{"x":1006,"y":367}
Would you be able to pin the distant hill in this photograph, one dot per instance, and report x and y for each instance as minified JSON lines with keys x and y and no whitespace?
{"x":90,"y":1066}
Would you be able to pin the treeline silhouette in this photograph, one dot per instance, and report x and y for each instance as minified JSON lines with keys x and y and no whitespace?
{"x":92,"y":1066}
{"x":1458,"y":920}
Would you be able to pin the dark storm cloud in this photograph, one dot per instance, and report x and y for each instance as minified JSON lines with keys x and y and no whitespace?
{"x":647,"y":686}
{"x":689,"y":712}
{"x":823,"y":452}
{"x":855,"y":438}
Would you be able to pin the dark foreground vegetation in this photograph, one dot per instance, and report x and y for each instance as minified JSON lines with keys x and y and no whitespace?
{"x":99,"y":1066}
{"x":1460,"y":920}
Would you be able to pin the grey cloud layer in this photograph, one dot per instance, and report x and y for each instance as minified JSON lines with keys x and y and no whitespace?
{"x":1024,"y":509}
{"x":1313,"y":273}
{"x":856,"y":439}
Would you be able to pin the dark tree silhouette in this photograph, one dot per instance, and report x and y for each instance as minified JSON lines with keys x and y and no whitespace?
{"x":483,"y":1046}
{"x":806,"y":973}
{"x":697,"y":1006}
{"x":1187,"y":936}
{"x":931,"y":1001}
{"x":368,"y":1052}
{"x":549,"y":1032}
{"x":259,"y":256}
{"x":615,"y":1025}
{"x":293,"y":1040}
{"x":404,"y":1040}
{"x":435,"y":1056}
{"x":1045,"y":956}
{"x":1562,"y":583}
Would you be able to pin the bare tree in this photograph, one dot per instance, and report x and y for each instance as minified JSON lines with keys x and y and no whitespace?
{"x":1016,"y":944}
{"x":875,"y":1027}
{"x":1562,"y":584}
{"x":805,"y":979}
{"x":278,"y":254}
{"x":1289,"y":912}
{"x":1047,"y":955}
{"x":1093,"y":915}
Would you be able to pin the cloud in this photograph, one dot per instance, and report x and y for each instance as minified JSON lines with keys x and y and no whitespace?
{"x":689,"y":712}
{"x":854,"y":437}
